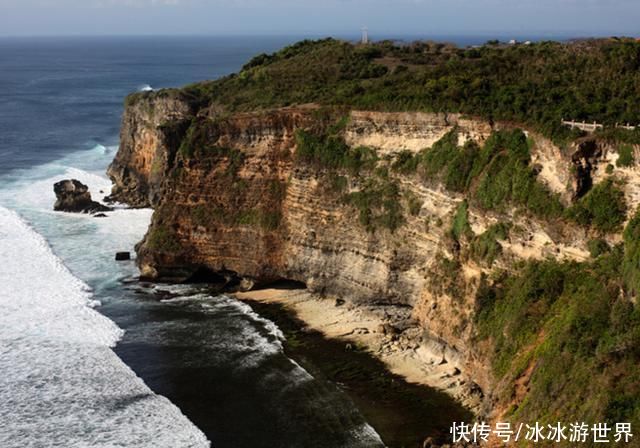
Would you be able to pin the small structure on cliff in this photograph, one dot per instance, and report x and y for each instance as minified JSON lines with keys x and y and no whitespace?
{"x":365,"y":36}
{"x":595,"y":126}
{"x":583,"y":126}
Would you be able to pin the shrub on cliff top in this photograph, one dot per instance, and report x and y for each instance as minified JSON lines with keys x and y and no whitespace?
{"x":535,"y":84}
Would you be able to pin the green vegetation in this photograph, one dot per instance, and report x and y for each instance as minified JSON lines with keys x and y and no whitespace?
{"x":572,"y":326}
{"x":604,"y":207}
{"x":414,"y":204}
{"x":597,"y":247}
{"x":330,"y":151}
{"x":619,"y":135}
{"x":264,"y":219}
{"x":631,"y":262}
{"x":504,"y":176}
{"x":626,"y":158}
{"x":485,"y":247}
{"x":378,"y":199}
{"x":209,"y":215}
{"x":570,"y":322}
{"x":446,"y":278}
{"x":536,"y":84}
{"x":449,"y":163}
{"x":494,"y":176}
{"x":460,"y":227}
{"x":163,"y":239}
{"x":199,"y":142}
{"x":405,"y":163}
{"x":378,"y":203}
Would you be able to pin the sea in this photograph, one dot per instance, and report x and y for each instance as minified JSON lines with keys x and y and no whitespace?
{"x":89,"y":356}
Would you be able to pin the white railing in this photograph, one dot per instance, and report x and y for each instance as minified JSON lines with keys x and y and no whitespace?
{"x":592,"y":127}
{"x":583,"y":126}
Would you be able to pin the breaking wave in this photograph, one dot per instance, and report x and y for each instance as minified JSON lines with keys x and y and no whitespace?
{"x":61,"y":384}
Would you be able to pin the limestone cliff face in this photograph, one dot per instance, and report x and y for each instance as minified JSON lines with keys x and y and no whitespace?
{"x":406,"y":131}
{"x":152,"y":127}
{"x":231,"y":198}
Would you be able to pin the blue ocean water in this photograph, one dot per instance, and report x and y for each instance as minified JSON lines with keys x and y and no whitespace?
{"x":59,"y":95}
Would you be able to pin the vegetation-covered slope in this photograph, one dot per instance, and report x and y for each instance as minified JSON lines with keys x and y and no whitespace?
{"x":535,"y":84}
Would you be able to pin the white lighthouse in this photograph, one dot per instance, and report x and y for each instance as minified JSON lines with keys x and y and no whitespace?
{"x":365,"y":35}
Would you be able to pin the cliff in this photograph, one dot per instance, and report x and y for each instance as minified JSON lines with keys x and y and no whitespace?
{"x":152,"y":127}
{"x":485,"y":247}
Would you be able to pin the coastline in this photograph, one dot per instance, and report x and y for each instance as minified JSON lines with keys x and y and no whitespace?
{"x":401,"y":395}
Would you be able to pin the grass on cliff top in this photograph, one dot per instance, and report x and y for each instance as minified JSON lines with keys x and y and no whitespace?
{"x":537,"y":84}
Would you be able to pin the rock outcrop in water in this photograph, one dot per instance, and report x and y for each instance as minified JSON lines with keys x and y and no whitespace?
{"x":73,"y":196}
{"x":421,"y":217}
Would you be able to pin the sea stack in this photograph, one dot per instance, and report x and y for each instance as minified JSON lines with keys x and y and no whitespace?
{"x":73,"y":196}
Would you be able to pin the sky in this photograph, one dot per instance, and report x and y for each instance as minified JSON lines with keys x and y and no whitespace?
{"x":574,"y":18}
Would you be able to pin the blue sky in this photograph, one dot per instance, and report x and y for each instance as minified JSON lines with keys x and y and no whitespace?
{"x":320,"y":17}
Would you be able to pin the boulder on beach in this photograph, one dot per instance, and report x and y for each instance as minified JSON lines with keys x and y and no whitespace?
{"x":73,"y":196}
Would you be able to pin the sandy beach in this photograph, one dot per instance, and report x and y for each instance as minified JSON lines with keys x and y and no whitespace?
{"x":368,"y":328}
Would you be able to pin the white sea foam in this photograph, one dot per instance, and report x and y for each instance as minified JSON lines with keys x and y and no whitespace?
{"x":61,"y":384}
{"x":254,"y":336}
{"x":145,"y":88}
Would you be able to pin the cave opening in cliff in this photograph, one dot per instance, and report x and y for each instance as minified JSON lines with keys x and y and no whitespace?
{"x":230,"y":280}
{"x":203,"y":274}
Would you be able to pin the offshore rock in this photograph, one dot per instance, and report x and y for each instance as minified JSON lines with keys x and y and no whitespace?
{"x":123,"y":256}
{"x":73,"y":196}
